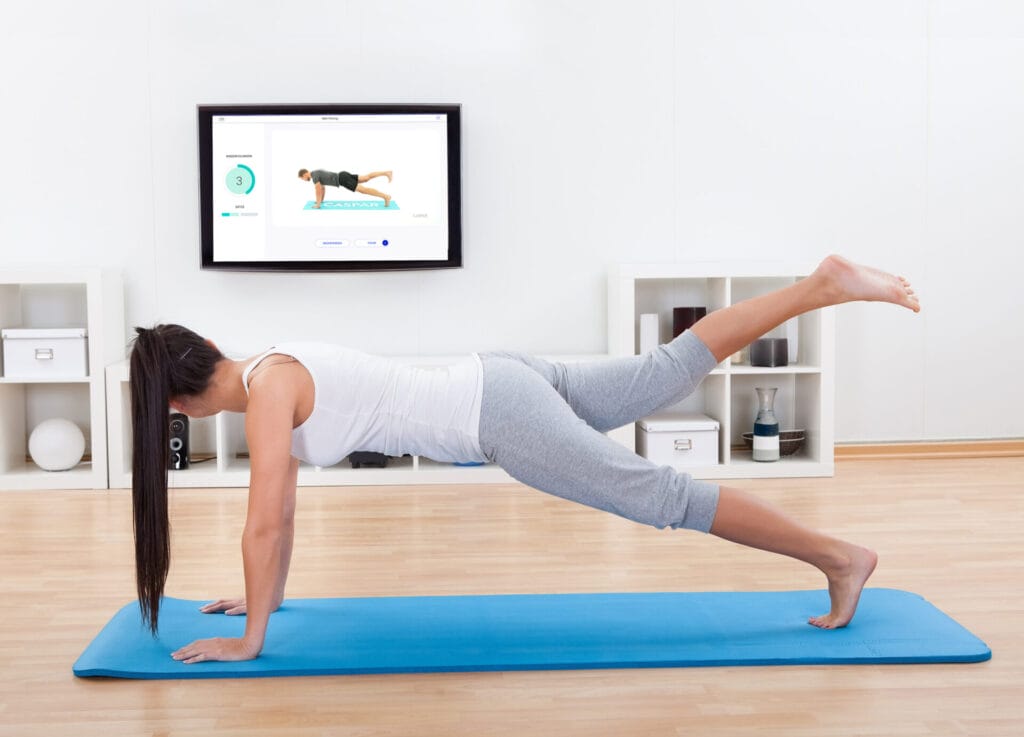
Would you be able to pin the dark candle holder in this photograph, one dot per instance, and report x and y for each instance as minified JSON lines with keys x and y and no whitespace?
{"x":684,"y":318}
{"x":769,"y":352}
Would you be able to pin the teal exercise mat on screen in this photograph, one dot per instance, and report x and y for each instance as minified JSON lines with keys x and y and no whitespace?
{"x":351,"y":205}
{"x":419,"y":634}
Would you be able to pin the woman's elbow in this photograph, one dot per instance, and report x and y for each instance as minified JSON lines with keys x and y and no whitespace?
{"x":262,"y":534}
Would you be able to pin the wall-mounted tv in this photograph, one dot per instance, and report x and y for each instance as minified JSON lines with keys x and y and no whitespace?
{"x":330,"y":187}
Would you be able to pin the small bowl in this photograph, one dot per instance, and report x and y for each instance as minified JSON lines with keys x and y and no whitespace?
{"x":790,"y":441}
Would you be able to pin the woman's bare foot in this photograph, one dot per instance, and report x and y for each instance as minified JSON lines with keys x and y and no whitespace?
{"x":845,"y":582}
{"x":388,"y":175}
{"x":387,"y":200}
{"x":844,"y":281}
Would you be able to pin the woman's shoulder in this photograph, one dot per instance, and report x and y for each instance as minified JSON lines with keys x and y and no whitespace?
{"x":281,"y":386}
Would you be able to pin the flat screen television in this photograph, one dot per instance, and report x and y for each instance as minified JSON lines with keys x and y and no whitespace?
{"x":330,"y":187}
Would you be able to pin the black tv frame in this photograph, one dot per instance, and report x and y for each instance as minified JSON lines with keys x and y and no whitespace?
{"x":207,"y":112}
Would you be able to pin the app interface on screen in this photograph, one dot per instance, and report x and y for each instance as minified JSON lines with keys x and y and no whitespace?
{"x":330,"y":187}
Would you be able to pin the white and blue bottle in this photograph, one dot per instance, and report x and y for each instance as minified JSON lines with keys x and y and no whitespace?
{"x":766,"y":426}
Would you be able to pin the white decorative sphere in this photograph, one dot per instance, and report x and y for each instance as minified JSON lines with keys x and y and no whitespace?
{"x":56,"y":445}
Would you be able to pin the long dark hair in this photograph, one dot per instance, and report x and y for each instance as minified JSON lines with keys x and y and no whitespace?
{"x":166,"y":361}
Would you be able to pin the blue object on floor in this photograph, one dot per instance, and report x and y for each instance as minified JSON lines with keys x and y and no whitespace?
{"x":539,"y":632}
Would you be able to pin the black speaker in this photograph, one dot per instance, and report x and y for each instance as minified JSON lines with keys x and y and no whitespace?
{"x":367,"y":458}
{"x":178,"y":458}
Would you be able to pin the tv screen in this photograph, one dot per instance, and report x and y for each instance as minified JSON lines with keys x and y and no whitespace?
{"x":330,"y":187}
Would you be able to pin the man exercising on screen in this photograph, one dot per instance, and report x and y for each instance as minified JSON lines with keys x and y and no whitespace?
{"x":353,"y":182}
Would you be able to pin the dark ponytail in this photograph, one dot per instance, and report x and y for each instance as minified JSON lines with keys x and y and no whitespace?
{"x":167,"y":361}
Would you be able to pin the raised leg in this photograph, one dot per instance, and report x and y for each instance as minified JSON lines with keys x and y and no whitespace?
{"x":613,"y":392}
{"x":835,"y":281}
{"x":364,"y":178}
{"x":745,"y":519}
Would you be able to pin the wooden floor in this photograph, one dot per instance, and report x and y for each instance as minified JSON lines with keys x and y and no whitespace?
{"x":950,"y":530}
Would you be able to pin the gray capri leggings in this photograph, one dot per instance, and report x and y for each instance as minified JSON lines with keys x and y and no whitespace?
{"x":543,"y":423}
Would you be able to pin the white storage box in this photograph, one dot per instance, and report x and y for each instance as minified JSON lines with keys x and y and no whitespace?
{"x":37,"y":353}
{"x":679,"y":439}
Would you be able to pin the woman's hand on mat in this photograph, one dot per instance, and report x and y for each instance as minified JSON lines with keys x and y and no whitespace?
{"x":228,"y":606}
{"x":216,"y":648}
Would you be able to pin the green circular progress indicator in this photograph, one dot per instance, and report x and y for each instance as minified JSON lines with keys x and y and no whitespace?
{"x":241,"y":179}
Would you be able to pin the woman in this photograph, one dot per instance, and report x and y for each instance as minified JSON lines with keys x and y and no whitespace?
{"x":542,"y":422}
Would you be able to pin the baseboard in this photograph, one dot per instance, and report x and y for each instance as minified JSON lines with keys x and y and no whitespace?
{"x":950,"y":449}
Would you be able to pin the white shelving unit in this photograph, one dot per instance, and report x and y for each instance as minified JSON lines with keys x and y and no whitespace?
{"x":54,"y":298}
{"x":806,"y":396}
{"x":222,"y":439}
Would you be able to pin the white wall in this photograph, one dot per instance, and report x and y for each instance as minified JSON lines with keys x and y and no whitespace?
{"x":594,"y":133}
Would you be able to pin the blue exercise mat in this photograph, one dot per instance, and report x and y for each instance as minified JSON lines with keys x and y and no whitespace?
{"x":539,"y":632}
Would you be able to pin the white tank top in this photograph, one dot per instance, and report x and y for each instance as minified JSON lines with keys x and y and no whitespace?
{"x":364,"y":402}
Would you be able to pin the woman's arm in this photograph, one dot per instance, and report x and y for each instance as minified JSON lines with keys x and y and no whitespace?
{"x":237,"y":606}
{"x":289,"y":534}
{"x":267,"y":538}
